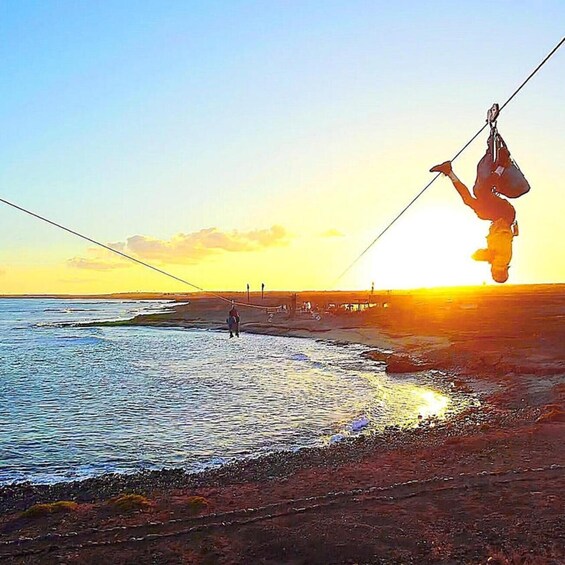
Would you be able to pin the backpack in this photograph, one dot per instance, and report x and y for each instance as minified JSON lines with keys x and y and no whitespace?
{"x":512,"y":182}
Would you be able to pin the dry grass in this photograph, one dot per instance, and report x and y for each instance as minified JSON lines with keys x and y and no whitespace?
{"x":128,"y":503}
{"x":196,"y":504}
{"x":60,"y":507}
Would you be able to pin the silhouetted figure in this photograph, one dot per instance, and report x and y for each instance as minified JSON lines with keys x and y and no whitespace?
{"x":293,"y":303}
{"x":233,"y":321}
{"x":497,"y":174}
{"x":262,"y":291}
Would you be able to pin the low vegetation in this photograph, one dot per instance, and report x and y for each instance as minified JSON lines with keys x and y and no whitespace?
{"x":46,"y":509}
{"x":129,"y":503}
{"x":196,"y":504}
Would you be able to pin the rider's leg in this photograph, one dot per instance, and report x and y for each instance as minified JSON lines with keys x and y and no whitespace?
{"x":463,"y":191}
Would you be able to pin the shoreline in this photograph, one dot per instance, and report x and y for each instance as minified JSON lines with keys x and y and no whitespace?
{"x":509,"y":351}
{"x":73,"y":487}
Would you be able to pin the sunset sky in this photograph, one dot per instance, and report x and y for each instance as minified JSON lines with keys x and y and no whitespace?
{"x":247,"y":142}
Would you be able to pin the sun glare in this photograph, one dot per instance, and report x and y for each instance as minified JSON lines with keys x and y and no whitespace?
{"x":434,"y":251}
{"x":433,"y":403}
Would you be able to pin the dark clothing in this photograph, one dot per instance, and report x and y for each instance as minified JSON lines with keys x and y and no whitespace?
{"x":489,"y":206}
{"x":486,"y":203}
{"x":233,"y":322}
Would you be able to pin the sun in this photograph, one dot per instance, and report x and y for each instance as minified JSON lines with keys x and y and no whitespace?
{"x":432,"y":248}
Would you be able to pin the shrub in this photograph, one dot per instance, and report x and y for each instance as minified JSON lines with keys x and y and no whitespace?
{"x":128,"y":503}
{"x":196,"y":504}
{"x":46,"y":509}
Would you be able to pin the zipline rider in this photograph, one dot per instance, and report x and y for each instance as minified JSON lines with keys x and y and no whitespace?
{"x":233,"y":321}
{"x":497,"y":174}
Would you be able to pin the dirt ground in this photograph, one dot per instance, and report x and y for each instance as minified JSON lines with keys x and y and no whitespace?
{"x":485,"y":487}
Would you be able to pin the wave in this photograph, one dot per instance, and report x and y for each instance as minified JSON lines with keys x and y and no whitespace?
{"x":82,"y":340}
{"x":69,"y":310}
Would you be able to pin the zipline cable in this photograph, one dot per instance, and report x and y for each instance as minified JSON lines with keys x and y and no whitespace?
{"x":125,"y":255}
{"x":452,"y":159}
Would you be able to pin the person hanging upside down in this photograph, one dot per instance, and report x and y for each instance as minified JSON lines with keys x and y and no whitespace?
{"x":497,"y":174}
{"x":488,"y":205}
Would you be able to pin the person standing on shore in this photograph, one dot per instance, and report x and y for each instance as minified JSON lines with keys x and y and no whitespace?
{"x":233,"y":321}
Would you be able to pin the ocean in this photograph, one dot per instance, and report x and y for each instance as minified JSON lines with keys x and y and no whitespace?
{"x":80,"y":402}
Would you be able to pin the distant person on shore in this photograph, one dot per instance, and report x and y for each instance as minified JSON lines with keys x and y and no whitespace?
{"x":233,"y":321}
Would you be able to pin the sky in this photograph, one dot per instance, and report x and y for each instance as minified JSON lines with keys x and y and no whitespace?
{"x":270,"y":142}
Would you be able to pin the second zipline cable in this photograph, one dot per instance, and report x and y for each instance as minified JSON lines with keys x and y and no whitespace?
{"x":125,"y":255}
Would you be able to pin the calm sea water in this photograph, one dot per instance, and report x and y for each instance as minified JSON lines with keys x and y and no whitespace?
{"x":78,"y":402}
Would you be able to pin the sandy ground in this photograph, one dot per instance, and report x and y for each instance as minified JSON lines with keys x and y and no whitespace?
{"x":484,"y":488}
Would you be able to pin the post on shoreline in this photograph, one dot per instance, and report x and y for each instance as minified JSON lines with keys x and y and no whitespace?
{"x":247,"y":293}
{"x":293,"y":303}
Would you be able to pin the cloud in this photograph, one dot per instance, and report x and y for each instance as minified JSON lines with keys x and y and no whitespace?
{"x":332,"y":233}
{"x":95,"y":264}
{"x":99,"y":259}
{"x":183,"y":248}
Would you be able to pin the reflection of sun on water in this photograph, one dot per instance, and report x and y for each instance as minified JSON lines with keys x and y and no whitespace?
{"x":404,"y":403}
{"x":433,"y":403}
{"x":410,"y":401}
